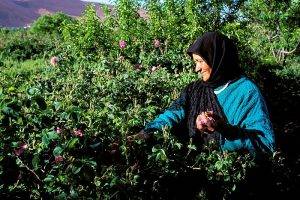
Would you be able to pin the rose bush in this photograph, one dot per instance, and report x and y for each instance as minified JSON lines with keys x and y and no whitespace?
{"x":63,"y":129}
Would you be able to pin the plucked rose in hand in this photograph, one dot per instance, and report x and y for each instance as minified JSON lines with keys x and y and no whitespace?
{"x":205,"y":121}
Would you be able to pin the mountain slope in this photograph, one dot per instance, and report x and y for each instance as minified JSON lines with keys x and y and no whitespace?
{"x":19,"y":13}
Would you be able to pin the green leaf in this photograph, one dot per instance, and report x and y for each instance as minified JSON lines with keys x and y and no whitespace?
{"x":91,"y":163}
{"x":56,"y":105}
{"x":45,"y":140}
{"x":15,"y":144}
{"x":76,"y":170}
{"x":33,"y":91}
{"x":192,"y":147}
{"x":94,"y":146}
{"x":57,"y":151}
{"x":35,"y":161}
{"x":49,"y":137}
{"x":113,"y":182}
{"x":73,"y":193}
{"x":11,"y":89}
{"x":49,"y":178}
{"x":161,"y":155}
{"x":233,"y":187}
{"x":219,"y":165}
{"x":178,"y":145}
{"x":72,"y":143}
{"x":97,"y":181}
{"x":9,"y":111}
{"x":52,"y":135}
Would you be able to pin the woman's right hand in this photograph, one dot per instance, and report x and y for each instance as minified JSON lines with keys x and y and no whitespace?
{"x":206,"y":122}
{"x":139,"y":136}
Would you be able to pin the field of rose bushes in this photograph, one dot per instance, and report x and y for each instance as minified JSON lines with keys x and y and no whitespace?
{"x":72,"y":90}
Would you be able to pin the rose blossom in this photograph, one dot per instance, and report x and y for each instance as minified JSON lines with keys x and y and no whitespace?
{"x":58,"y":159}
{"x":122,"y":44}
{"x":54,"y":60}
{"x":205,"y":120}
{"x":21,"y":149}
{"x":154,"y":68}
{"x":58,"y":130}
{"x":78,"y":132}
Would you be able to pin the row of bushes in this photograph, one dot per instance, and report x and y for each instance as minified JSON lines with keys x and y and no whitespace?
{"x":64,"y":134}
{"x":174,"y":25}
{"x":64,"y":123}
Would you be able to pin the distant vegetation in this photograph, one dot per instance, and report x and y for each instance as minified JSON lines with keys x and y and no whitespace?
{"x":71,"y":90}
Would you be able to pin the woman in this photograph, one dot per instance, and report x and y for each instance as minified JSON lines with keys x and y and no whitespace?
{"x":225,"y":107}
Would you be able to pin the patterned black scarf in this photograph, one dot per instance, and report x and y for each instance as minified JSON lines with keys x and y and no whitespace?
{"x":220,"y":53}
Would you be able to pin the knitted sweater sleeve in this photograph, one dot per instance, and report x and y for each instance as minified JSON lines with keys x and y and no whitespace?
{"x":170,"y":117}
{"x":254,"y":130}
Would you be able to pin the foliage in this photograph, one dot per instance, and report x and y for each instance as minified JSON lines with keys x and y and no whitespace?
{"x":63,"y":127}
{"x":84,"y":37}
{"x":271,"y":34}
{"x":22,"y":45}
{"x":50,"y":24}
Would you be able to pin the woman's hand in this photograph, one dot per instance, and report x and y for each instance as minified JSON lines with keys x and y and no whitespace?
{"x":139,"y":136}
{"x":208,"y":122}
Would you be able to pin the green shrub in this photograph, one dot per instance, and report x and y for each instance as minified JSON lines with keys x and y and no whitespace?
{"x":21,"y":45}
{"x":63,"y":127}
{"x":50,"y":24}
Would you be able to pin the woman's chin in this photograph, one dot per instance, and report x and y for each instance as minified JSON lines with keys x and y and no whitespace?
{"x":205,"y":78}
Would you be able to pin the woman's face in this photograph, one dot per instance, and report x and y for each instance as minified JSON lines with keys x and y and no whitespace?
{"x":202,"y":68}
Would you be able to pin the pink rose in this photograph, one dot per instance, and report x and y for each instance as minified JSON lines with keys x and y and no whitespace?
{"x":58,"y":159}
{"x":202,"y":119}
{"x":205,"y":119}
{"x":21,"y":149}
{"x":78,"y":133}
{"x":58,"y":130}
{"x":54,"y":61}
{"x":122,"y":44}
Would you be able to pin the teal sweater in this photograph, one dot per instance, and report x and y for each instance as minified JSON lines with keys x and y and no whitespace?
{"x":246,"y":111}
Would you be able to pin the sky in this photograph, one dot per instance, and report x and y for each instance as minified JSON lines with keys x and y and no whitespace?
{"x":100,"y":1}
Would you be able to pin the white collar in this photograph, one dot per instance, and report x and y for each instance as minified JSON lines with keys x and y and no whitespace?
{"x":223,"y":88}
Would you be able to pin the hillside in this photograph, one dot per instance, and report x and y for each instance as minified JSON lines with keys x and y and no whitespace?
{"x":20,"y":13}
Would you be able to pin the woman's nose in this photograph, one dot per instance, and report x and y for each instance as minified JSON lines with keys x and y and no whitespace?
{"x":197,"y":68}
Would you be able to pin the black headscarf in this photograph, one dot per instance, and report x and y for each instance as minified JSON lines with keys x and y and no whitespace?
{"x":220,"y":53}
